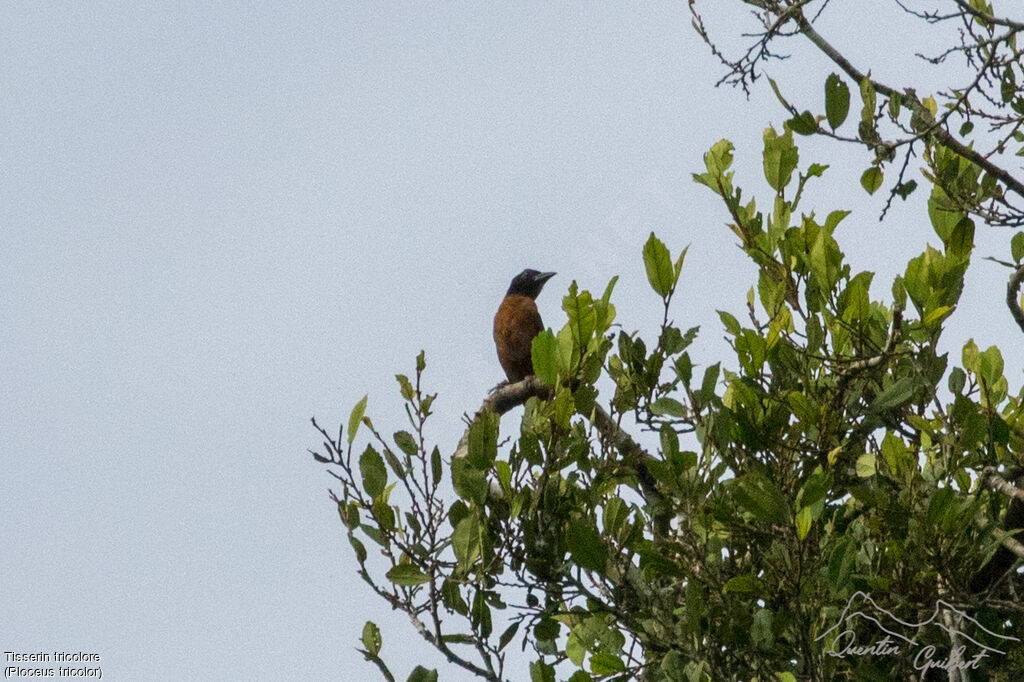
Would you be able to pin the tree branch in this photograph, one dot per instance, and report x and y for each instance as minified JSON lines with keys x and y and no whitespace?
{"x":502,"y":399}
{"x":989,"y":18}
{"x":991,"y":478}
{"x":1010,"y":550}
{"x":940,"y":133}
{"x":1012,"y":296}
{"x":506,"y":396}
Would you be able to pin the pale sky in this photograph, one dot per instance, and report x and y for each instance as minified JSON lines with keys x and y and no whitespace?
{"x":221,"y":219}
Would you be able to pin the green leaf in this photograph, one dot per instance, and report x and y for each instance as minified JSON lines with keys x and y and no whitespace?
{"x":677,"y":267}
{"x":943,"y":213}
{"x":374,"y":534}
{"x":867,"y":95}
{"x":905,"y":189}
{"x":504,"y":472}
{"x":871,"y":180}
{"x":896,"y":393}
{"x":866,"y":465}
{"x":937,"y":315}
{"x":803,"y":124}
{"x":359,"y":547}
{"x":991,"y":367}
{"x":507,"y":635}
{"x":586,"y":546}
{"x":406,"y":387}
{"x":672,"y":666}
{"x":780,"y":158}
{"x":1017,"y":247}
{"x":707,"y":386}
{"x":547,"y":629}
{"x":355,"y":418}
{"x":1008,"y":84}
{"x":833,"y":219}
{"x":606,"y":663}
{"x":406,"y":442}
{"x":778,"y":93}
{"x":730,"y":323}
{"x":579,"y":308}
{"x":407,"y":575}
{"x":669,"y":443}
{"x":375,"y":476}
{"x":895,"y":103}
{"x":803,"y":522}
{"x":760,"y":496}
{"x":815,"y":488}
{"x":435,"y":465}
{"x":371,"y":638}
{"x":957,"y":380}
{"x":545,"y":357}
{"x":349,"y":514}
{"x":658,"y":263}
{"x":606,"y":297}
{"x":894,"y":453}
{"x":719,"y":157}
{"x":382,"y":511}
{"x":942,"y":506}
{"x":396,"y":466}
{"x":668,"y":406}
{"x":421,"y":674}
{"x":970,"y":357}
{"x":802,"y":407}
{"x":841,"y":563}
{"x":541,"y":672}
{"x":615,"y":514}
{"x":961,"y":241}
{"x":452,"y":598}
{"x":466,"y":541}
{"x":837,"y":100}
{"x":568,"y":350}
{"x":482,"y":447}
{"x":740,"y":583}
{"x":470,"y":483}
{"x":761,"y":629}
{"x":930,"y":104}
{"x":717,"y":161}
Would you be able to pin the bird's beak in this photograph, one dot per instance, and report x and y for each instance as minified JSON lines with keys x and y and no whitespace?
{"x":544,"y":276}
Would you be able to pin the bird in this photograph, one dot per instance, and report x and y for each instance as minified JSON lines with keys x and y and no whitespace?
{"x":517,"y":322}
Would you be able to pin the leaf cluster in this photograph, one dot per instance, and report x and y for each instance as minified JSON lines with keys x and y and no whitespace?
{"x":837,"y":452}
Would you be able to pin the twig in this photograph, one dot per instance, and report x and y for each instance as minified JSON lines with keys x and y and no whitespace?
{"x":990,"y":477}
{"x":940,"y":133}
{"x":1012,"y":296}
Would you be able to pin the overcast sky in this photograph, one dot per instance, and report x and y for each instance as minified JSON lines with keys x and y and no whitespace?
{"x":220,"y":219}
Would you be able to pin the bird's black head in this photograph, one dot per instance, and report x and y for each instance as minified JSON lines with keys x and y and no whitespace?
{"x":529,"y":283}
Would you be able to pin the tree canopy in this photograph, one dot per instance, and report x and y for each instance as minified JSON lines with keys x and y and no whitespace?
{"x":835,"y":499}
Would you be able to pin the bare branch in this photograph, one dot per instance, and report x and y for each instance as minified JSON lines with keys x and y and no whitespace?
{"x":1013,"y":296}
{"x":991,"y":478}
{"x":989,"y":18}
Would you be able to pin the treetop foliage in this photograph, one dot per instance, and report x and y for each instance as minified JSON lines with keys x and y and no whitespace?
{"x":659,"y":516}
{"x":837,"y":453}
{"x":974,"y":122}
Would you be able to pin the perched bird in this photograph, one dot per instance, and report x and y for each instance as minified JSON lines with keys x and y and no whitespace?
{"x":517,"y":322}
